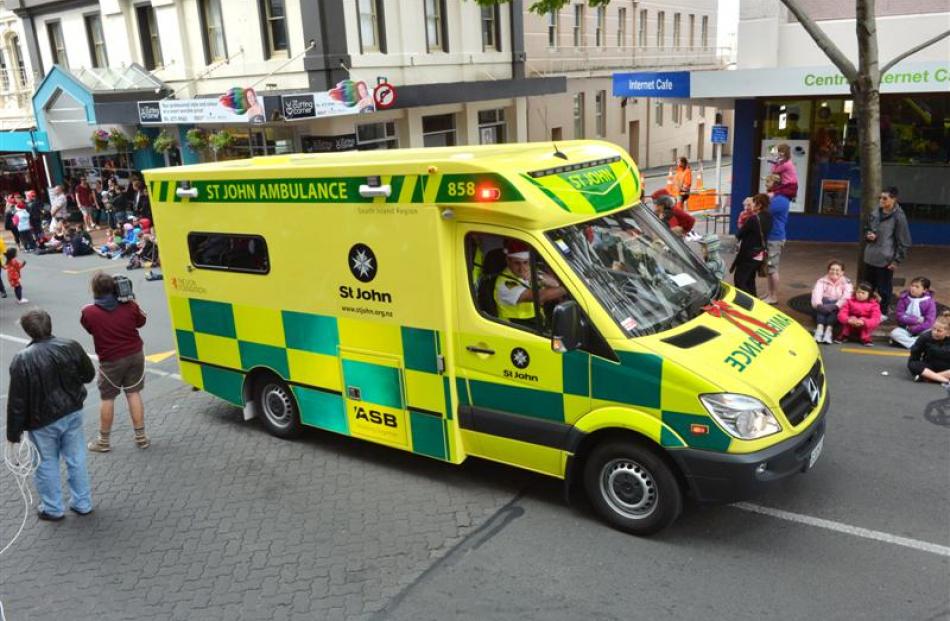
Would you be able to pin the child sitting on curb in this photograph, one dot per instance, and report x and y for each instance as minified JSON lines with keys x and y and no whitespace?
{"x":829,"y":294}
{"x":916,"y":312}
{"x":861,"y":313}
{"x":930,"y":355}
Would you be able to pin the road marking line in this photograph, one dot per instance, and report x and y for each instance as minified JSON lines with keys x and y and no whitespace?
{"x":871,"y":352}
{"x":160,"y":356}
{"x":857,"y":531}
{"x":93,"y":269}
{"x":158,"y":372}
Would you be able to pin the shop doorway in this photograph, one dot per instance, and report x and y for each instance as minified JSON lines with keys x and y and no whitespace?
{"x":633,"y":134}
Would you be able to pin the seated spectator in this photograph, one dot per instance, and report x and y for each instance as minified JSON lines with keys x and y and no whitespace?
{"x":861,"y":313}
{"x":829,"y":294}
{"x":916,"y":312}
{"x":930,"y":355}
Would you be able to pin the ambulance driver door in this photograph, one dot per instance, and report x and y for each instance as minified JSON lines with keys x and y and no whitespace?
{"x":522,"y":395}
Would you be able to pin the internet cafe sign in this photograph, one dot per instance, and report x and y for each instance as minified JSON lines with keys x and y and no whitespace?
{"x":347,"y":97}
{"x":237,"y":105}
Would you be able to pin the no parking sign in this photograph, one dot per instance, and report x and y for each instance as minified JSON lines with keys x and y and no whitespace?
{"x":384,"y":95}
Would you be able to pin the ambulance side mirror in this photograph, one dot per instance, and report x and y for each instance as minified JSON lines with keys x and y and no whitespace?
{"x":567,"y":327}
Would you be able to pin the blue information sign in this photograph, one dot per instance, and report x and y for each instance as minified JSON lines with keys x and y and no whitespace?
{"x":652,"y":84}
{"x":720,"y":134}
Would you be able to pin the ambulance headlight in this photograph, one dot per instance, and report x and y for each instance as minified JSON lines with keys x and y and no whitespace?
{"x":741,"y":416}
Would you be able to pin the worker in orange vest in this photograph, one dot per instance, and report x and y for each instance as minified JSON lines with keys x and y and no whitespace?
{"x":682,"y":182}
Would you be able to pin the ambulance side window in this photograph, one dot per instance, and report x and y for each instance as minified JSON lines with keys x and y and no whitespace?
{"x":229,"y":252}
{"x":510,"y":282}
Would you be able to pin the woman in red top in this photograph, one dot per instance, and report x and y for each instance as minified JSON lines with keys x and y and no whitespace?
{"x":14,"y":266}
{"x":679,"y":221}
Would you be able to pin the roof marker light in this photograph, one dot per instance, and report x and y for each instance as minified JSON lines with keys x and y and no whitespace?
{"x":488,"y":193}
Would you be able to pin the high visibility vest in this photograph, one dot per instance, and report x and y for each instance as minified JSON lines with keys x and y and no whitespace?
{"x":521,"y":310}
{"x":477,"y":262}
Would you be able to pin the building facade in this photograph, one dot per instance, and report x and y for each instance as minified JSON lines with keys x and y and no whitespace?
{"x":298,"y":76}
{"x":587,"y":45}
{"x":786,"y":90}
{"x":18,"y":166}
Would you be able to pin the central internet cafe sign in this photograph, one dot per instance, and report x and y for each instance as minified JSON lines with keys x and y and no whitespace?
{"x":237,"y":105}
{"x":347,"y":97}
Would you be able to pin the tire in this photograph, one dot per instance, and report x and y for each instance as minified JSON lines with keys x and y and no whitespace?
{"x":277,"y":408}
{"x":631,"y":487}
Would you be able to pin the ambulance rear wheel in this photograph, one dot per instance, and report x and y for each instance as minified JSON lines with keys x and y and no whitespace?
{"x":632,"y":488}
{"x":277,"y":408}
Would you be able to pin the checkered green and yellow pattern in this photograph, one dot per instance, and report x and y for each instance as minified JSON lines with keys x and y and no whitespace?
{"x":394,"y":369}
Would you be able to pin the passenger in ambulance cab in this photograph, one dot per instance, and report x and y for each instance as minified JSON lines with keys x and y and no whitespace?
{"x":514,"y":295}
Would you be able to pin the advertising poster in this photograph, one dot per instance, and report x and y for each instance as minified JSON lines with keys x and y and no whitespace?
{"x":834,"y":196}
{"x":347,"y":97}
{"x":799,"y":149}
{"x":236,"y":105}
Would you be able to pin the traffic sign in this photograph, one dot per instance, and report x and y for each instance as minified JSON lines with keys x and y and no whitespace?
{"x":384,"y":95}
{"x":720,"y":134}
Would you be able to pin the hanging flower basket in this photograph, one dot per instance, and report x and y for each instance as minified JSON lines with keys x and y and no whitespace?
{"x":119,"y":141}
{"x":221,"y":140}
{"x":141,"y":140}
{"x":197,"y":139}
{"x":100,"y":139}
{"x":163,"y":142}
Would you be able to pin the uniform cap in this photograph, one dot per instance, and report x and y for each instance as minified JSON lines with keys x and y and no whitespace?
{"x":517,"y":249}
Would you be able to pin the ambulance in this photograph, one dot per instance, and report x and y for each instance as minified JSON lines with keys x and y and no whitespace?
{"x":516,"y":303}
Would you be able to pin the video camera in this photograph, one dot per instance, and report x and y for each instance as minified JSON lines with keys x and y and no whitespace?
{"x":123,"y":289}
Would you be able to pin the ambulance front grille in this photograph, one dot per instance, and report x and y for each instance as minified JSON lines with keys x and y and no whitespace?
{"x":797,"y":403}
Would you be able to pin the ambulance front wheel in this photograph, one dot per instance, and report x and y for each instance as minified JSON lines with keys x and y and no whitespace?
{"x":277,"y":408}
{"x":632,"y":487}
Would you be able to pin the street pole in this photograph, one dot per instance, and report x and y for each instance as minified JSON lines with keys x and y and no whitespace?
{"x":718,"y":146}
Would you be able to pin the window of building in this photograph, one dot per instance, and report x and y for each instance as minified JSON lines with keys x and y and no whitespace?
{"x":229,"y":252}
{"x":661,"y":29}
{"x":702,"y":111}
{"x":372,"y":136}
{"x":578,"y":25}
{"x":579,"y":130}
{"x":658,"y":113}
{"x":692,"y":31}
{"x":102,"y":166}
{"x":552,"y":29}
{"x":148,"y":35}
{"x":600,"y":34}
{"x":491,"y":28}
{"x":212,"y":28}
{"x":97,"y":42}
{"x":704,"y":32}
{"x":676,"y":30}
{"x":439,"y":130}
{"x":436,"y":40}
{"x":600,"y":105}
{"x":676,"y":113}
{"x":18,"y":65}
{"x":621,"y":27}
{"x":4,"y":75}
{"x":372,"y":26}
{"x":491,"y":126}
{"x":642,"y":36}
{"x":57,"y":45}
{"x":274,"y":24}
{"x":689,"y":112}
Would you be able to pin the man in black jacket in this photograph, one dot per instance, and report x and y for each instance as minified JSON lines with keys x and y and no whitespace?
{"x":46,"y":398}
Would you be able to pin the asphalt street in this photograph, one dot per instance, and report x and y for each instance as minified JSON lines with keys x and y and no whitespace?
{"x":219,"y":520}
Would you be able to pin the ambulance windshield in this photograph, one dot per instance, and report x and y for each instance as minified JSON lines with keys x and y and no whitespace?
{"x":645,"y":276}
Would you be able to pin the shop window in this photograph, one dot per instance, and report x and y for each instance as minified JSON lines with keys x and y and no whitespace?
{"x":100,"y":167}
{"x":371,"y":26}
{"x":57,"y":44}
{"x":552,"y":29}
{"x":371,"y":136}
{"x":212,"y":27}
{"x":491,"y":126}
{"x":579,"y":113}
{"x":600,"y":112}
{"x":578,"y":25}
{"x":436,"y":40}
{"x":643,"y":33}
{"x":148,"y":35}
{"x":229,"y":252}
{"x":97,"y":42}
{"x":491,"y":28}
{"x":274,"y":24}
{"x":439,"y":130}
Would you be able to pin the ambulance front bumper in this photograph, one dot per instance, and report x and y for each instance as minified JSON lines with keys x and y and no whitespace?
{"x":724,"y":477}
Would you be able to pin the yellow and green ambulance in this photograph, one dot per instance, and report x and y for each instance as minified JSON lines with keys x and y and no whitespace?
{"x":516,"y":303}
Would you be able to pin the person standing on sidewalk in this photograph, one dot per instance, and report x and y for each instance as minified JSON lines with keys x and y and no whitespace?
{"x":86,"y":203}
{"x":682,"y":182}
{"x":753,"y":244}
{"x":114,"y":327}
{"x":888,"y":237}
{"x":778,"y":206}
{"x":46,"y":398}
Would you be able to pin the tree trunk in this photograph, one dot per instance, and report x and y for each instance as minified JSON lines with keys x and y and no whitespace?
{"x":867,"y":99}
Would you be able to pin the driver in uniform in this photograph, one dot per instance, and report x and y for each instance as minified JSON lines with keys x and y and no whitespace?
{"x":514,"y":295}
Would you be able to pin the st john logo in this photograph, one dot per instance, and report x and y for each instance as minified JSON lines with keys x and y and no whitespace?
{"x":362,"y":262}
{"x":520,"y":358}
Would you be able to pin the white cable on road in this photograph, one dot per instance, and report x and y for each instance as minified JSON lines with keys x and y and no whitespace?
{"x":21,"y":465}
{"x":857,"y":531}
